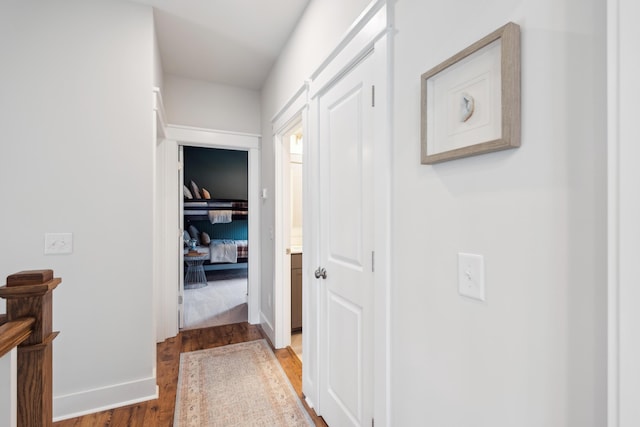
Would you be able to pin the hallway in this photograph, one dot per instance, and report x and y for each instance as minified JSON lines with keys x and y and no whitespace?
{"x":159,"y":412}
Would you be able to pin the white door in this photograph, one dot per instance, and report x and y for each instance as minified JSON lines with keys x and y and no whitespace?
{"x":181,"y":232}
{"x":346,"y":243}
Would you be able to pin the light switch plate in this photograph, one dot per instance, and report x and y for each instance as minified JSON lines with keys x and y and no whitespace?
{"x":58,"y":243}
{"x":471,"y":276}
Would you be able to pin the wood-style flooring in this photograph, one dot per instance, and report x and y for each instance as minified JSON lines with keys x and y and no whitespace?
{"x":159,"y":412}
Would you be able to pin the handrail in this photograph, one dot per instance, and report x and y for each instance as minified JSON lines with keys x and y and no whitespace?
{"x":12,"y":334}
{"x":29,"y":296}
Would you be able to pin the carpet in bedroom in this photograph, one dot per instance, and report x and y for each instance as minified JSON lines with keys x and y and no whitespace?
{"x":221,"y":302}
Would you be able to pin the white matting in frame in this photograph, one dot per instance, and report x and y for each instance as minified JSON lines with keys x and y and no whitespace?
{"x":471,"y":102}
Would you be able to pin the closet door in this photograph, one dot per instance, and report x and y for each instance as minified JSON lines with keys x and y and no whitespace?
{"x":345,"y":276}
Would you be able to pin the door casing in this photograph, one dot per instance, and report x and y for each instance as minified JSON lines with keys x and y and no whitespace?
{"x":295,"y":115}
{"x":170,"y":255}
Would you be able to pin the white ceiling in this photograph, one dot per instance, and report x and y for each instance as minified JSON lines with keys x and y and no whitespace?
{"x":231,"y":42}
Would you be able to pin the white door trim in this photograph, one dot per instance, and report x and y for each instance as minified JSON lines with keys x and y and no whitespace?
{"x":612,"y":215}
{"x":282,"y":267}
{"x":159,"y":277}
{"x":209,"y":138}
{"x":295,"y":113}
{"x":623,"y":213}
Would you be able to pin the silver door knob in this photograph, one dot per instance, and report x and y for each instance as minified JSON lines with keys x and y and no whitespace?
{"x":321,"y":272}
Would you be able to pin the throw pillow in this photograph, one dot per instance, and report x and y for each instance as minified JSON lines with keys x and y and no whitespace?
{"x":193,"y":232}
{"x":195,"y":190}
{"x":187,"y":193}
{"x":205,"y":239}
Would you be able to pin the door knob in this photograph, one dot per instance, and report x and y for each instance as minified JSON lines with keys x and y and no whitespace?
{"x":321,"y":272}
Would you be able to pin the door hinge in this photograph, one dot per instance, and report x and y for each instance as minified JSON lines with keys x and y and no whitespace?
{"x":373,"y":261}
{"x":180,"y":299}
{"x":179,"y":166}
{"x":373,"y":96}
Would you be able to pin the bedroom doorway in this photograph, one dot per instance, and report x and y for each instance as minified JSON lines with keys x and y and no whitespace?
{"x":170,"y":247}
{"x":214,"y":212}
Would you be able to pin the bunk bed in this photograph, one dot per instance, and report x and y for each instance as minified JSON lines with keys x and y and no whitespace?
{"x":205,"y":210}
{"x":220,"y":229}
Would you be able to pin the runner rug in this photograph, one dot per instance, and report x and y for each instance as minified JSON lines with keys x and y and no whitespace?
{"x":236,"y":385}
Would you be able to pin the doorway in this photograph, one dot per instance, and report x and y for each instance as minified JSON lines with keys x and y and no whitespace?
{"x":215,"y":234}
{"x":293,"y":149}
{"x":290,"y":128}
{"x":289,"y":235}
{"x":168,"y":283}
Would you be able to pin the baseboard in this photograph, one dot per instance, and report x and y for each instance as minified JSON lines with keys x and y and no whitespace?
{"x":101,"y":399}
{"x":309,"y":402}
{"x":267,"y":327}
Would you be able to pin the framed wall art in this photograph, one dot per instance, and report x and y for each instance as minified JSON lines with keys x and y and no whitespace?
{"x":471,"y":101}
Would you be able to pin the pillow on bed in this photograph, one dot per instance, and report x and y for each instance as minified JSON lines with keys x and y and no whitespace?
{"x":205,"y":239}
{"x":205,"y":193}
{"x":187,"y":193}
{"x":193,"y":232}
{"x":195,"y":190}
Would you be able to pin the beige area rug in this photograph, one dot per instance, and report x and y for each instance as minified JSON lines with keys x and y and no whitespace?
{"x":236,"y":385}
{"x":221,"y":302}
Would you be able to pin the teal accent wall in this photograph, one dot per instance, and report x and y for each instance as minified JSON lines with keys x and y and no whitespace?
{"x":238,"y":229}
{"x":224,"y":173}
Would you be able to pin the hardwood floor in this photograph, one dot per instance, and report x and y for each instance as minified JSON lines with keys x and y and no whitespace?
{"x":159,"y":412}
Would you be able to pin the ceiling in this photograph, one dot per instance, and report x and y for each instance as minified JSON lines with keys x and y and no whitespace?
{"x":230,"y":42}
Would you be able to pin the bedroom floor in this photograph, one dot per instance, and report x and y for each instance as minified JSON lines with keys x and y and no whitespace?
{"x":222,"y":302}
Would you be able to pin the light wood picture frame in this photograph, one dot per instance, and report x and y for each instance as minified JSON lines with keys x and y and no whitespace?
{"x":470,"y":103}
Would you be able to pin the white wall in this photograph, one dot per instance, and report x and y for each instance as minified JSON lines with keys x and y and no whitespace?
{"x":76,"y":117}
{"x":321,"y":27}
{"x":535,"y":353}
{"x":213,"y":106}
{"x":9,"y":389}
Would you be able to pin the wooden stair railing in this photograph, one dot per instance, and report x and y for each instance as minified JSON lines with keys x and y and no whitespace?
{"x":14,"y":333}
{"x":29,"y":296}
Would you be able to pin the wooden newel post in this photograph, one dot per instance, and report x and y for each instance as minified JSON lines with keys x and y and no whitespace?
{"x":30,"y":294}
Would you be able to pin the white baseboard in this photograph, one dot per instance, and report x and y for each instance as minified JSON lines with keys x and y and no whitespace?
{"x":267,"y":327}
{"x":101,"y":399}
{"x":309,"y":402}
